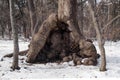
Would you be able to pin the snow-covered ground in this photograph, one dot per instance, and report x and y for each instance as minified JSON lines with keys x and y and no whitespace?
{"x":54,"y":70}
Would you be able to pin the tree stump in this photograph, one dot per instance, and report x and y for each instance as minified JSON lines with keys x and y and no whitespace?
{"x":60,"y":39}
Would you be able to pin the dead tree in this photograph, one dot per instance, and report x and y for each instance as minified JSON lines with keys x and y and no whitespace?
{"x":15,"y":37}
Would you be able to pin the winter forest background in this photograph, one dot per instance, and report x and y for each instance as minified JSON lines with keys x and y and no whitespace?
{"x":29,"y":15}
{"x":105,"y":11}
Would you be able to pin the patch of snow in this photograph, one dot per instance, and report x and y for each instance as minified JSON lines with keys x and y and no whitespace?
{"x":54,"y":70}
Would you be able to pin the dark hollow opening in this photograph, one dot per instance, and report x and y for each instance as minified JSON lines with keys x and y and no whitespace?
{"x":57,"y":45}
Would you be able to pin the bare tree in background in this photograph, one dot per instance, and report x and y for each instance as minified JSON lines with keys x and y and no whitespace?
{"x":32,"y":14}
{"x":99,"y":37}
{"x":15,"y":37}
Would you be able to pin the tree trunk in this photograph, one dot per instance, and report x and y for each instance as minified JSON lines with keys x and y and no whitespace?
{"x":110,"y":11}
{"x":81,"y":16}
{"x":3,"y":30}
{"x":9,"y":32}
{"x":15,"y":37}
{"x":92,"y":2}
{"x":39,"y":39}
{"x":32,"y":16}
{"x":99,"y":37}
{"x":63,"y":36}
{"x":67,"y":12}
{"x":110,"y":17}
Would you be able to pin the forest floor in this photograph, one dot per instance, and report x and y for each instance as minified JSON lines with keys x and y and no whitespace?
{"x":54,"y":70}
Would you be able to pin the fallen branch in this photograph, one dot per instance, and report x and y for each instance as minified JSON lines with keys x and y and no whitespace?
{"x":21,"y":53}
{"x":111,"y":21}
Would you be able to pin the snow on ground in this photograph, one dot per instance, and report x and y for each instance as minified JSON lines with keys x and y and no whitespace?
{"x":54,"y":70}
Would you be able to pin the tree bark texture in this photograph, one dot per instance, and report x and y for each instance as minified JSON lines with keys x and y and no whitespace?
{"x":15,"y":37}
{"x":64,"y":38}
{"x":40,"y":37}
{"x":67,"y":11}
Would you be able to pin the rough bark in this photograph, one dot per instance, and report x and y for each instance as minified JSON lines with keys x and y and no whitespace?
{"x":67,"y":11}
{"x":39,"y":39}
{"x":15,"y":37}
{"x":59,"y":38}
{"x":81,"y":16}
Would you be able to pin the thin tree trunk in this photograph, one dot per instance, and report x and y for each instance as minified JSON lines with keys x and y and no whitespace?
{"x":3,"y":30}
{"x":15,"y":37}
{"x":32,"y":16}
{"x":9,"y":32}
{"x":111,"y":21}
{"x":24,"y":31}
{"x":81,"y":16}
{"x":99,"y":37}
{"x":92,"y":2}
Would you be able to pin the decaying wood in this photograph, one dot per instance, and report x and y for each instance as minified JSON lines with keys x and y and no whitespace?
{"x":57,"y":45}
{"x":59,"y":39}
{"x":39,"y":39}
